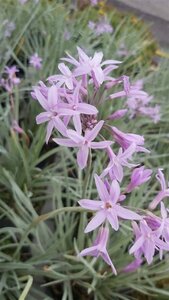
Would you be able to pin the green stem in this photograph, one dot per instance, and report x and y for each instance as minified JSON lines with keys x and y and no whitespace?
{"x":82,"y":221}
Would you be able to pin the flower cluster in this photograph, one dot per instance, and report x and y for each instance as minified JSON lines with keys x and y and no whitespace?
{"x":10,"y":79}
{"x":8,"y":28}
{"x":73,"y":102}
{"x":102,"y":26}
{"x":36,"y":61}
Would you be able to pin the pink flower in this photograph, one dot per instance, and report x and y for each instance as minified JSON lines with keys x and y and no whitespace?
{"x":126,"y":139}
{"x":133,"y":91}
{"x":53,"y":111}
{"x":107,"y":207}
{"x":152,"y":112}
{"x":90,"y":66}
{"x":9,"y":27}
{"x":36,"y":61}
{"x":138,"y":177}
{"x":99,"y":248}
{"x":147,"y":241}
{"x":164,"y":190}
{"x":76,"y":104}
{"x":115,"y":166}
{"x":66,"y":77}
{"x":101,"y":27}
{"x":11,"y":79}
{"x":94,"y":2}
{"x":84,"y":143}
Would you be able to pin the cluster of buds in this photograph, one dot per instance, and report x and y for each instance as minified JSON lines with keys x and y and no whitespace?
{"x":73,"y":102}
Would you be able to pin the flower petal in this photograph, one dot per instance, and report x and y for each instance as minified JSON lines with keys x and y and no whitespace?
{"x":65,"y":142}
{"x":127,"y":214}
{"x":82,"y":156}
{"x":101,"y":188}
{"x":90,"y":204}
{"x":113,"y":220}
{"x":96,"y":221}
{"x":42,"y":117}
{"x":75,"y":136}
{"x":92,"y":251}
{"x":91,"y":134}
{"x":114,"y":191}
{"x":100,"y":145}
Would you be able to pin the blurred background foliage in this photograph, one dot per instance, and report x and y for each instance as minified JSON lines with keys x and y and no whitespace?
{"x":38,"y":258}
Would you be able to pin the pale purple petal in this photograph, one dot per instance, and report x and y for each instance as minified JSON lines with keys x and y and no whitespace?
{"x":101,"y":188}
{"x":88,"y":109}
{"x":60,"y":126}
{"x":92,"y":251}
{"x":149,"y":250}
{"x":73,"y":135}
{"x":113,"y":220}
{"x":91,"y":134}
{"x":77,"y":124}
{"x":52,"y":96}
{"x":107,"y":259}
{"x":65,"y":142}
{"x":50,"y":127}
{"x":137,"y":245}
{"x":96,"y":221}
{"x":41,"y":98}
{"x":127,"y":214}
{"x":82,"y":156}
{"x":42,"y":117}
{"x":100,"y":145}
{"x":114,"y":191}
{"x":90,"y":204}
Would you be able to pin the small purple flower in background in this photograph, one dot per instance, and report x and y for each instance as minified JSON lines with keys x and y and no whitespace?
{"x":151,"y":112}
{"x":138,"y":103}
{"x":99,"y":248}
{"x":101,"y":27}
{"x":139,"y":176}
{"x":91,"y":25}
{"x":22,"y":1}
{"x":122,"y":50}
{"x":10,"y":79}
{"x":147,"y":241}
{"x":9,"y":27}
{"x":36,"y":61}
{"x":164,"y":190}
{"x":67,"y":35}
{"x":107,"y":207}
{"x":94,"y":2}
{"x":84,"y":143}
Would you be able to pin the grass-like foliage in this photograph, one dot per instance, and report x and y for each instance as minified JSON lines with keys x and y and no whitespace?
{"x":39,"y":238}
